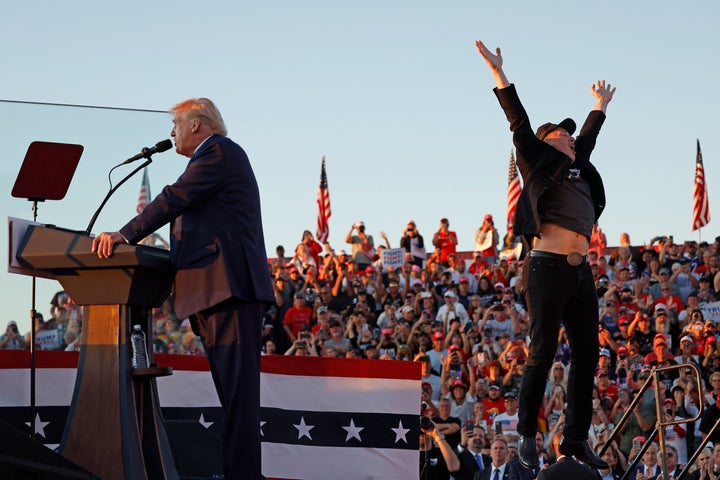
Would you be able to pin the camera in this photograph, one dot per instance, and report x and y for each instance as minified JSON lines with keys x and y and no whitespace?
{"x":301,"y":344}
{"x":310,"y":295}
{"x":426,"y":423}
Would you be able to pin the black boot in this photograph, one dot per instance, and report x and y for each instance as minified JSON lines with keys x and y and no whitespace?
{"x":527,"y":451}
{"x":583,"y":452}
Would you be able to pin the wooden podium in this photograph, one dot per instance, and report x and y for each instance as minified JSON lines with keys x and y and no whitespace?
{"x":114,"y":428}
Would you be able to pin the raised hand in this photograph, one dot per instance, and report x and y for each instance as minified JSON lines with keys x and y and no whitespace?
{"x":603,"y":93}
{"x":495,"y":61}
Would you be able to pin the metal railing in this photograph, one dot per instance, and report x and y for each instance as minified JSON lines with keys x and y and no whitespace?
{"x":654,"y":381}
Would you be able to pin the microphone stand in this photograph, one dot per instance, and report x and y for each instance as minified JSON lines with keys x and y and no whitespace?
{"x":33,"y":335}
{"x":112,"y":190}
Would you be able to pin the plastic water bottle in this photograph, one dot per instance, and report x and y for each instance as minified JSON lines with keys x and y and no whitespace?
{"x":139,"y":348}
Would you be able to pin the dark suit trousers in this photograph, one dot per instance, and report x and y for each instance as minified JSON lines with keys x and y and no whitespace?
{"x":557,"y":292}
{"x":230,"y":332}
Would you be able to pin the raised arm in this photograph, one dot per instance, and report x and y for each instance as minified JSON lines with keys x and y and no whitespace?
{"x":495,"y":62}
{"x":603,"y":93}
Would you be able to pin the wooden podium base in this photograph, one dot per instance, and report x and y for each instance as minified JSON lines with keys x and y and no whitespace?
{"x":114,"y":428}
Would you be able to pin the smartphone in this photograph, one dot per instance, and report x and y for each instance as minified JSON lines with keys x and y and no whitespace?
{"x":636,"y":443}
{"x":498,"y":428}
{"x":469,"y":427}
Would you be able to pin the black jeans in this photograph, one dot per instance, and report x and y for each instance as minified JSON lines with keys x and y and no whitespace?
{"x":559,"y":293}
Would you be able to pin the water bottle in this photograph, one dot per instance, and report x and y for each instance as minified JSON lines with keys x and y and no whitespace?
{"x":139,"y":348}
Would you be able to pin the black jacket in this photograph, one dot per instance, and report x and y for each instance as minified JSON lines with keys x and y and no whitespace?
{"x":542,"y":166}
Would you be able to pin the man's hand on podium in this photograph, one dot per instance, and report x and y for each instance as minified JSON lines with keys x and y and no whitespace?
{"x":103,"y":243}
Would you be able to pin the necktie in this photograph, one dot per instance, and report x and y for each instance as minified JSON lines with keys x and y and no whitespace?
{"x":478,"y":459}
{"x":496,"y":475}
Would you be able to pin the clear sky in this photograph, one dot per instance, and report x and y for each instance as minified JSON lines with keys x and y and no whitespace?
{"x":392,"y":92}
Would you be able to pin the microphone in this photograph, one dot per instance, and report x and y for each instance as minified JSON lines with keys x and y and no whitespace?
{"x":147,"y":152}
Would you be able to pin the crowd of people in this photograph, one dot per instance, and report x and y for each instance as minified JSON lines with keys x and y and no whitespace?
{"x":465,"y":320}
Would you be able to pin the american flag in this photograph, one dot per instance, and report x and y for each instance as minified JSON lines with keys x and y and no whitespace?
{"x":701,"y":209}
{"x":324,"y":212}
{"x":513,"y":191}
{"x":144,"y":196}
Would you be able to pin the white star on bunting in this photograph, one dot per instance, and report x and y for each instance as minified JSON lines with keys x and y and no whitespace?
{"x":303,"y":429}
{"x":39,"y":426}
{"x":204,"y":423}
{"x":400,"y":433}
{"x":353,"y":431}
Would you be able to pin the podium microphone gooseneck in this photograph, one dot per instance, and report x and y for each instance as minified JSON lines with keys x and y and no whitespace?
{"x":144,"y":153}
{"x":147,"y":152}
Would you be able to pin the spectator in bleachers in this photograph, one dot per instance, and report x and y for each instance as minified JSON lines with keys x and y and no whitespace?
{"x":640,"y":331}
{"x":445,"y":242}
{"x":11,"y":339}
{"x":414,"y":244}
{"x":297,"y":316}
{"x":295,"y":280}
{"x":312,"y":247}
{"x":451,"y":310}
{"x":279,"y":264}
{"x":615,"y":459}
{"x":363,"y":246}
{"x":487,"y":239}
{"x":703,"y":466}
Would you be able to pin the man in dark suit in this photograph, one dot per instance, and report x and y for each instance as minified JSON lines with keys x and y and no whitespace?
{"x":499,"y":468}
{"x":472,"y":460}
{"x":222,"y":281}
{"x":565,"y":467}
{"x":562,"y":197}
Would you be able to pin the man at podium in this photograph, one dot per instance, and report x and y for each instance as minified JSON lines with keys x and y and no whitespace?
{"x":222,"y":281}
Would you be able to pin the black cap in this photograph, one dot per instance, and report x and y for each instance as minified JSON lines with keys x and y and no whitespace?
{"x":568,"y":125}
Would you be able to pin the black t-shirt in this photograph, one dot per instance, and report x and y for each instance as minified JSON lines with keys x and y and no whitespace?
{"x":433,"y":466}
{"x":454,"y":438}
{"x":644,"y":339}
{"x":569,"y":204}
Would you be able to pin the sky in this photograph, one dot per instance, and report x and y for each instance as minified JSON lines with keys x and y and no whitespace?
{"x":392,"y":93}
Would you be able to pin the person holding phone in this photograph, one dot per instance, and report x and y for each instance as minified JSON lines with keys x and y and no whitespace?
{"x":472,"y":460}
{"x":562,"y":197}
{"x":11,"y":339}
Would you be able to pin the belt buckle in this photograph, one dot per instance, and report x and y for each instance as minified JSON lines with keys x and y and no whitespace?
{"x":574,"y":258}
